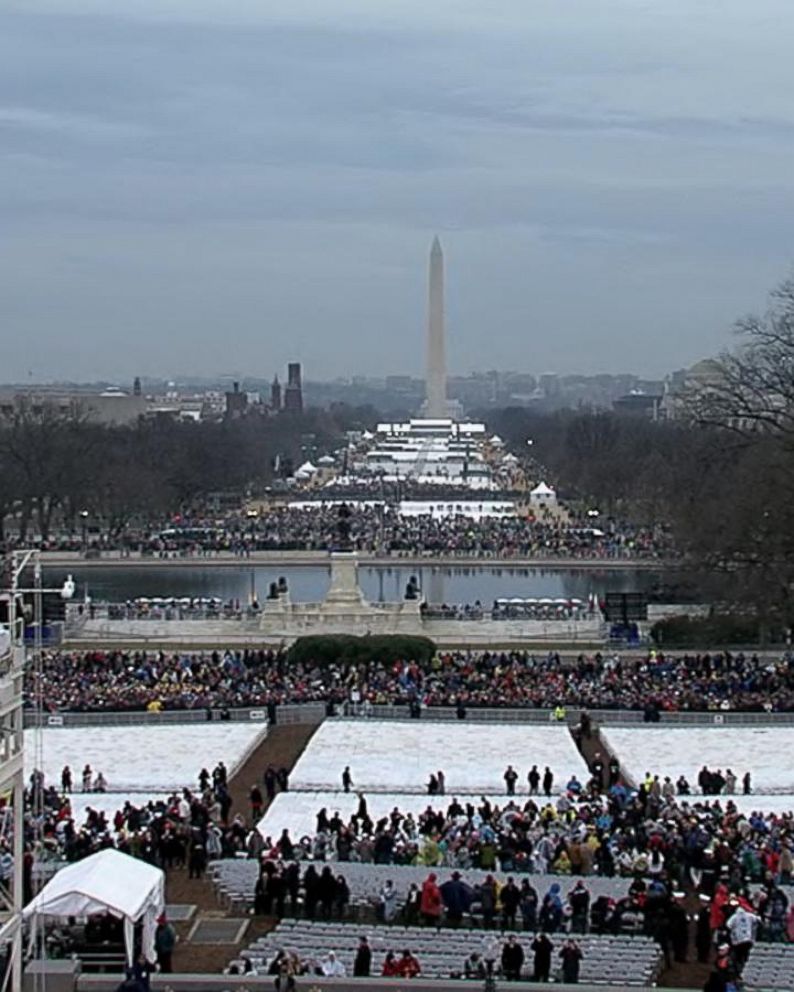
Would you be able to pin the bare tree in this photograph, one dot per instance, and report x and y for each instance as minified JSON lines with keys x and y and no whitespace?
{"x":751,"y":389}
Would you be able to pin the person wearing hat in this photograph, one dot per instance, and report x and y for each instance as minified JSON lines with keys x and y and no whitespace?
{"x":723,"y":974}
{"x":679,"y":926}
{"x":703,"y":929}
{"x":332,"y":967}
{"x":164,"y":943}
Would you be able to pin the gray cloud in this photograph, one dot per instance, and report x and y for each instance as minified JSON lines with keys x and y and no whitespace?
{"x":189,"y":186}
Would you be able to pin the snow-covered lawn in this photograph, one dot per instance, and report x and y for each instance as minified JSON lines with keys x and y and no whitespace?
{"x":396,"y":756}
{"x":138,"y":758}
{"x":297,"y":811}
{"x":766,"y":752}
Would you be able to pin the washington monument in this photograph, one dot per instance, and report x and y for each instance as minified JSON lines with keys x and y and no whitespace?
{"x":436,"y":377}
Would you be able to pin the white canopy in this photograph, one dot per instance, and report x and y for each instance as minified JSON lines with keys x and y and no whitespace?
{"x":542,"y":490}
{"x":107,"y":882}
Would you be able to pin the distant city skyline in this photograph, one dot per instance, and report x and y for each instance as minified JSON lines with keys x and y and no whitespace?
{"x":187,"y":186}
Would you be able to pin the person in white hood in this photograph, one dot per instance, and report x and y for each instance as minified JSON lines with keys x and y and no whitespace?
{"x":742,"y":927}
{"x":333,"y":967}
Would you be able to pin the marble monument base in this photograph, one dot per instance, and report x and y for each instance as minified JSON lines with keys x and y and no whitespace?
{"x":343,"y":611}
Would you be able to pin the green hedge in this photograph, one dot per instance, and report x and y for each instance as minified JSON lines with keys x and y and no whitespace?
{"x":331,"y":649}
{"x":716,"y":631}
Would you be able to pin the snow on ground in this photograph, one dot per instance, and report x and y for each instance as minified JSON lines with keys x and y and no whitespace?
{"x":297,"y":811}
{"x":763,"y":751}
{"x":396,"y":756}
{"x":140,"y":758}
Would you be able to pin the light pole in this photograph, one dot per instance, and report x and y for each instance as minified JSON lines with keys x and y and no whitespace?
{"x":12,"y":739}
{"x":84,"y":525}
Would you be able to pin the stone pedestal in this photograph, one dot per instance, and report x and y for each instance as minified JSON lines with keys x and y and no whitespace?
{"x":344,"y":591}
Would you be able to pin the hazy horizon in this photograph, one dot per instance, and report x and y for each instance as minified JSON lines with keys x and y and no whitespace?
{"x":189,"y":188}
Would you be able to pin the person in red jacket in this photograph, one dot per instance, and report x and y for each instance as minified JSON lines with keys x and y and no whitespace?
{"x":391,"y":966}
{"x":408,"y":966}
{"x":431,"y":904}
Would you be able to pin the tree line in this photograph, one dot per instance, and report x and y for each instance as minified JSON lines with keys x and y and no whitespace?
{"x":720,"y":477}
{"x":58,"y":468}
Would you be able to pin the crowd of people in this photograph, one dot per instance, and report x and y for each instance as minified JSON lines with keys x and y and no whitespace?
{"x":660,"y":838}
{"x":664,"y":842}
{"x":505,"y":959}
{"x":187,"y":829}
{"x":380,"y":528}
{"x":138,"y":680}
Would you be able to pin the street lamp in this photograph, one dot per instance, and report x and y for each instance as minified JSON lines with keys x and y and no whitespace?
{"x":12,"y":739}
{"x":84,"y":525}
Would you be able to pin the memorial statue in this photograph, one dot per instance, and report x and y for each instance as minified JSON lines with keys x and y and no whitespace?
{"x":343,"y":541}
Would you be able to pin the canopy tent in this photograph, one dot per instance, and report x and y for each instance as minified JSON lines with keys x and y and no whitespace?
{"x":106,"y":882}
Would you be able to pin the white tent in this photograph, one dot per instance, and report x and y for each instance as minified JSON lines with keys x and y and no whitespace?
{"x":106,"y":882}
{"x":542,"y":495}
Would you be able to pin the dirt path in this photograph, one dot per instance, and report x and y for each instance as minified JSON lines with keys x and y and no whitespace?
{"x":282,"y":747}
{"x":688,"y":975}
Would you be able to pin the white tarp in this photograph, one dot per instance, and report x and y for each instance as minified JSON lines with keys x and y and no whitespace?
{"x":107,"y":882}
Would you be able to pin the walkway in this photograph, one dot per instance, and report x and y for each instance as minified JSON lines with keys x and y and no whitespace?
{"x":282,"y":747}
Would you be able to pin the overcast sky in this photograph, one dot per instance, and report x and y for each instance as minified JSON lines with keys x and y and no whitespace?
{"x":219,"y":187}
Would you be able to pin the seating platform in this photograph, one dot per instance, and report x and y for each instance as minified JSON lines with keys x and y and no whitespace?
{"x":625,"y":960}
{"x":235,"y":879}
{"x":770,"y":966}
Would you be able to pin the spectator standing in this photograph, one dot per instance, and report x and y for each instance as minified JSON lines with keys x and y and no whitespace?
{"x":164,"y":943}
{"x":541,"y":949}
{"x":271,"y":782}
{"x":510,"y":898}
{"x":431,"y":903}
{"x":363,"y":960}
{"x":388,"y":901}
{"x":742,"y":928}
{"x":456,"y":896}
{"x":534,"y":780}
{"x":579,"y":901}
{"x":255,"y":798}
{"x":510,"y":777}
{"x":512,"y":959}
{"x":571,"y":957}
